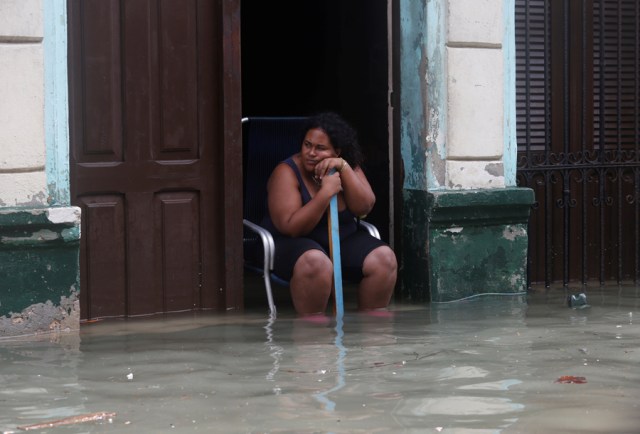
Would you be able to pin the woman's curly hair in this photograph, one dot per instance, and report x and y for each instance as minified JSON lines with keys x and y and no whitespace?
{"x":343,"y":136}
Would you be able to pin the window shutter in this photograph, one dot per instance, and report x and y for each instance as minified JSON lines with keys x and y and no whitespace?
{"x":533,"y":78}
{"x":616,"y":73}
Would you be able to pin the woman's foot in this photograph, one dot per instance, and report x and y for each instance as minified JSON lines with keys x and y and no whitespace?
{"x":315,"y":318}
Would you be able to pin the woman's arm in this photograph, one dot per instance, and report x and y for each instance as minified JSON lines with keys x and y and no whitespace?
{"x":287,"y":213}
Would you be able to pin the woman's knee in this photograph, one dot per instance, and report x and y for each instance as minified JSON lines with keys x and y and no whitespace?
{"x":313,"y":263}
{"x":382,"y":260}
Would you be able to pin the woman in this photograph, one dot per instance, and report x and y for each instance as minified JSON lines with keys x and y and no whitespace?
{"x":299,"y":191}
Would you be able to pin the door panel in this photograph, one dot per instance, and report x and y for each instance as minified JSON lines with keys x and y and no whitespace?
{"x":102,"y":120}
{"x":176,"y":214}
{"x":178,"y":82}
{"x":147,"y":148}
{"x":103,"y":237}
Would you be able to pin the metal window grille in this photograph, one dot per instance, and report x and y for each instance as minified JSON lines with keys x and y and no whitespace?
{"x":578,"y":129}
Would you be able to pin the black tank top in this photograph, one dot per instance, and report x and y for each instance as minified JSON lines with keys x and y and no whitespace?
{"x":321,"y":232}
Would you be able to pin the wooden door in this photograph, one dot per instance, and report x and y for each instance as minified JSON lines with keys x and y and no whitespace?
{"x":153,"y":114}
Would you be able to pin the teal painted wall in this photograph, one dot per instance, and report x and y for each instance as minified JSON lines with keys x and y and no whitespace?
{"x":56,"y":101}
{"x":413,"y":68}
{"x":510,"y":134}
{"x":436,"y":94}
{"x":423,"y":93}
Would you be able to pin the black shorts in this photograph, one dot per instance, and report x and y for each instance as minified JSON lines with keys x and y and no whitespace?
{"x":354,"y":248}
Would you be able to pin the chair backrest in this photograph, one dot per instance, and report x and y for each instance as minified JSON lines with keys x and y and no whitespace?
{"x":266,"y":142}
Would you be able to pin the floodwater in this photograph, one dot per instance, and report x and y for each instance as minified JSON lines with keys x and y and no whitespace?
{"x":483,"y":365}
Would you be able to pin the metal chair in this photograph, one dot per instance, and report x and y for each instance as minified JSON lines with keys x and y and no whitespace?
{"x":266,"y":142}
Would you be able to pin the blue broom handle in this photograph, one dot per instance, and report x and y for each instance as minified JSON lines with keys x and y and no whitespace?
{"x":335,"y":254}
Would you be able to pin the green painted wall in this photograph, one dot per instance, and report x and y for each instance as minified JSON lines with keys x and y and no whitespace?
{"x":39,"y":253}
{"x":463,"y":243}
{"x":414,"y":267}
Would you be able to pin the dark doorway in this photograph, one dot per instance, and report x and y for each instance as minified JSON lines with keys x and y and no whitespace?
{"x":300,"y":57}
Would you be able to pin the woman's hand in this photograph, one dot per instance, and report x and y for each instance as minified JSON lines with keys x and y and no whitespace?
{"x":331,"y":184}
{"x":324,"y":167}
{"x":358,"y":195}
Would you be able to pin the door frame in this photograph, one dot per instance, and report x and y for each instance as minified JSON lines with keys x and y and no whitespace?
{"x":231,"y":111}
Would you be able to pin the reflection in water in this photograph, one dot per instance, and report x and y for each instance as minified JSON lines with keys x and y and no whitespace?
{"x":38,"y":379}
{"x":323,"y":397}
{"x":459,"y":406}
{"x":495,"y":385}
{"x":275,"y":351}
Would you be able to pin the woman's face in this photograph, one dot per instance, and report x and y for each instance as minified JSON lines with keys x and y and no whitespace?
{"x":316,"y":146}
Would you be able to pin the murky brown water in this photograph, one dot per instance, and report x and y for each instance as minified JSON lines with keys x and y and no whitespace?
{"x":486,"y":365}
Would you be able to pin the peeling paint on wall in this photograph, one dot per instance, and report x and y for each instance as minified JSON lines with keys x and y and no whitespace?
{"x":495,"y":169}
{"x":423,"y":93}
{"x":436,"y":95}
{"x":43,"y":318}
{"x":463,"y":174}
{"x":41,"y":235}
{"x":453,"y":230}
{"x":63,"y":215}
{"x":511,"y":233}
{"x":35,"y":200}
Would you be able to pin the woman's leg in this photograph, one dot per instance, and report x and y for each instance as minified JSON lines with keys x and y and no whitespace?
{"x":311,"y":281}
{"x":379,"y":271}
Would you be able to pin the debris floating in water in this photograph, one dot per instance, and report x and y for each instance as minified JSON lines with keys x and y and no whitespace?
{"x":571,"y":379}
{"x":82,"y":418}
{"x":577,"y":301}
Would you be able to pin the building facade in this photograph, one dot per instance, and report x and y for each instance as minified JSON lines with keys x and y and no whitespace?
{"x":463,"y":221}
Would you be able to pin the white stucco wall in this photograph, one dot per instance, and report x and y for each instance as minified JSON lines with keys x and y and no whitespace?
{"x":22,"y":128}
{"x":475,"y":21}
{"x":475,"y":88}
